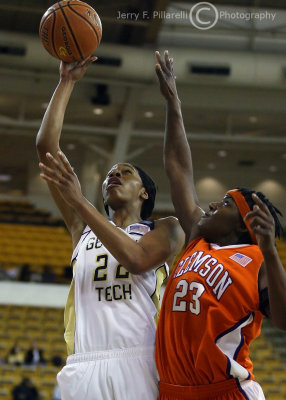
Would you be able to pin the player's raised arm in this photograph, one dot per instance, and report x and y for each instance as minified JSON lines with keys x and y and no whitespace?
{"x":272,"y":274}
{"x":50,"y":130}
{"x":177,"y":153}
{"x":162,"y":243}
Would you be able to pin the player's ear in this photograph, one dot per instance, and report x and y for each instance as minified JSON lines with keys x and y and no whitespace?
{"x":144,"y":194}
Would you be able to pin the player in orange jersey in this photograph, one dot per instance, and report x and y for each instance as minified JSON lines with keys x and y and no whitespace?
{"x":227,"y":279}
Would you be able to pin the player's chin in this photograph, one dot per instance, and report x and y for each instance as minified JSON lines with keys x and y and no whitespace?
{"x":204,"y":221}
{"x":205,"y":226}
{"x":114,"y":198}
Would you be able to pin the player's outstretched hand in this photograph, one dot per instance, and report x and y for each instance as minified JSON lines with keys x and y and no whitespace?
{"x":262,"y":224}
{"x":61,"y":175}
{"x":75,"y":70}
{"x":165,"y":73}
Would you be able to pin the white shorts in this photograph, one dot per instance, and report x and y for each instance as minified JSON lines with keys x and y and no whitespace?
{"x":110,"y":375}
{"x":253,"y":390}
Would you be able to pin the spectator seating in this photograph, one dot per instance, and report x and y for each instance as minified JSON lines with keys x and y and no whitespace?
{"x":36,"y":246}
{"x":24,"y":324}
{"x":269,"y":361}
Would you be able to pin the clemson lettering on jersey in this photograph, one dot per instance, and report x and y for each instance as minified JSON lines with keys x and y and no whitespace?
{"x":215,"y":298}
{"x":215,"y":274}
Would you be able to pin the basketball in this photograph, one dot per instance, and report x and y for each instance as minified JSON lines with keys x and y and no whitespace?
{"x":70,"y":30}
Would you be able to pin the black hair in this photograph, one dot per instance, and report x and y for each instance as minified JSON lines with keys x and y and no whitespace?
{"x":247,"y":194}
{"x":149,"y":185}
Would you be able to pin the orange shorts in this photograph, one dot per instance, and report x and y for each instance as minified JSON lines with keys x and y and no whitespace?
{"x":226,"y":390}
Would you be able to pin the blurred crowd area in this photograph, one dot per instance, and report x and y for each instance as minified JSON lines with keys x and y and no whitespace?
{"x":32,"y":351}
{"x":35,"y":246}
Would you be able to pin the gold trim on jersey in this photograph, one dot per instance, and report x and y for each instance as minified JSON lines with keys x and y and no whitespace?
{"x":161,"y":275}
{"x":69,"y":319}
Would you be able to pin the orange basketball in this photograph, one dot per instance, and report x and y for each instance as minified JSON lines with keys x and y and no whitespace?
{"x":70,"y":30}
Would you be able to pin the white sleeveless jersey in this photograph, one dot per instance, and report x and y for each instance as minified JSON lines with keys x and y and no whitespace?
{"x":108,"y":307}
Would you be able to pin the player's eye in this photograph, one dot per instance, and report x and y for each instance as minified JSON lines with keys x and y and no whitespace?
{"x":127,"y":171}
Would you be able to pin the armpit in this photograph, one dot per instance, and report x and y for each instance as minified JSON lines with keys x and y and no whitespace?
{"x":264,"y":302}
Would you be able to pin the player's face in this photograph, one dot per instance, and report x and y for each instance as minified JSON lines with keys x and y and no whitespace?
{"x":121,"y":185}
{"x":222,"y":220}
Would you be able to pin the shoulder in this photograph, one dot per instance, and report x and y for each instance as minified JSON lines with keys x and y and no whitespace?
{"x":76,"y":232}
{"x":262,"y":277}
{"x":171,"y":232}
{"x":170,"y":226}
{"x":170,"y":221}
{"x":254,"y":253}
{"x":78,"y":240}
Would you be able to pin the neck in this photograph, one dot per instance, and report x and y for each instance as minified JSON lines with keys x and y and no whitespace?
{"x":123,"y":218}
{"x":224,"y":241}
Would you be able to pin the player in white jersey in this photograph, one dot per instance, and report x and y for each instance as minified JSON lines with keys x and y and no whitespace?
{"x":118,"y":268}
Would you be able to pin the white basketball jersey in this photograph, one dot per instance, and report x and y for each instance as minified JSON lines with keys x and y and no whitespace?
{"x":108,"y":307}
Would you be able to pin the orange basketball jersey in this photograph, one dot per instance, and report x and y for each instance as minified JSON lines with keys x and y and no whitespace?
{"x":210,"y":314}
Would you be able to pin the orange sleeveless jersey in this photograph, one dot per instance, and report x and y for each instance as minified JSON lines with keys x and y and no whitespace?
{"x":210,"y":314}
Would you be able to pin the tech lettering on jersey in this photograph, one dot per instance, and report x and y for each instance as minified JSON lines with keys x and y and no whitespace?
{"x":208,"y":267}
{"x":111,"y":281}
{"x":116,"y":291}
{"x":122,"y":291}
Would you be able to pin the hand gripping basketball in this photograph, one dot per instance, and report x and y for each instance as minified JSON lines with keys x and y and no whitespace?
{"x":70,"y":30}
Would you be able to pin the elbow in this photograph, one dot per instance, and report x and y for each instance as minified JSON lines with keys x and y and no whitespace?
{"x":136,"y":264}
{"x":135,"y":267}
{"x":41,"y":145}
{"x":44,"y":146}
{"x":138,"y":259}
{"x":171,"y":164}
{"x":134,"y":271}
{"x":174,"y":164}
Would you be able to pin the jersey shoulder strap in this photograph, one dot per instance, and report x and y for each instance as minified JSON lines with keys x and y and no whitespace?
{"x":140,"y":228}
{"x":151,"y":224}
{"x":84,"y":234}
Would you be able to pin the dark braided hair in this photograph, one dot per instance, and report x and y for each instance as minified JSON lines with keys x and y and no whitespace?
{"x":247,"y":194}
{"x":149,"y":185}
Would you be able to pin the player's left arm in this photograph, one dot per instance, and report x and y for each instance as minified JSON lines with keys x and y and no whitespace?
{"x":273,"y":274}
{"x":152,"y":250}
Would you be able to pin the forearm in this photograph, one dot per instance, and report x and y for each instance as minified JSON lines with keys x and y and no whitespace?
{"x":276,"y":277}
{"x":178,"y":159}
{"x":176,"y":148}
{"x":49,"y":133}
{"x":124,"y":249}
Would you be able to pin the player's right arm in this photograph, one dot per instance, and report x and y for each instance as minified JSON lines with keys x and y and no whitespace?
{"x":48,"y":137}
{"x":177,"y":153}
